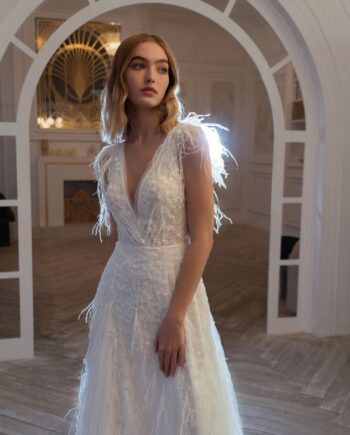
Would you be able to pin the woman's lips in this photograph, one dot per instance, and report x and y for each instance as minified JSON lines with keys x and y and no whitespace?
{"x":149,"y":89}
{"x":149,"y":92}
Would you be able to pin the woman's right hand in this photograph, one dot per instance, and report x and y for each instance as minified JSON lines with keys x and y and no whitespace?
{"x":170,"y":343}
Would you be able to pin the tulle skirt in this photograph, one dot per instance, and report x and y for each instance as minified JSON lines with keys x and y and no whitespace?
{"x":122,"y":389}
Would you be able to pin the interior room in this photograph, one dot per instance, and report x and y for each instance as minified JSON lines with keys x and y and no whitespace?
{"x":277,"y":275}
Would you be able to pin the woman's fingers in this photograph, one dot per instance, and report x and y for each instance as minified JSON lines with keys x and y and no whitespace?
{"x":176,"y":358}
{"x":168,"y":361}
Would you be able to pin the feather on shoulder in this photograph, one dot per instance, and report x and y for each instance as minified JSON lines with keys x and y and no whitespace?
{"x":194,"y":135}
{"x":100,"y":165}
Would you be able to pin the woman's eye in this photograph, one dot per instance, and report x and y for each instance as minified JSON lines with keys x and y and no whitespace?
{"x":162,"y":69}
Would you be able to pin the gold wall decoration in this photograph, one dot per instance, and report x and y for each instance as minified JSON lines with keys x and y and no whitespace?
{"x":69,"y":89}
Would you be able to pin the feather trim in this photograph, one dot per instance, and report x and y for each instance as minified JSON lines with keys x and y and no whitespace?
{"x":204,"y":137}
{"x":100,"y":165}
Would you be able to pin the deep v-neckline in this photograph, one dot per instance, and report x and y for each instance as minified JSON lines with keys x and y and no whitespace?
{"x":134,"y":205}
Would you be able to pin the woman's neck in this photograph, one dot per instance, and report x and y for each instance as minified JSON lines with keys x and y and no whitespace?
{"x":144,"y":125}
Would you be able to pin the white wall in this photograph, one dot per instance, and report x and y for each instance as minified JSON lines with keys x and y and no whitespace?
{"x":6,"y":6}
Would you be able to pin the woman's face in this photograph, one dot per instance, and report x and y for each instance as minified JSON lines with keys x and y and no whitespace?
{"x":148,"y":67}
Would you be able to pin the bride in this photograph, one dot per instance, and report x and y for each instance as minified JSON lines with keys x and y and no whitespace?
{"x":155,"y":364}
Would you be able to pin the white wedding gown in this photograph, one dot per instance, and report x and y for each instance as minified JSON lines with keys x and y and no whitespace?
{"x":122,"y":389}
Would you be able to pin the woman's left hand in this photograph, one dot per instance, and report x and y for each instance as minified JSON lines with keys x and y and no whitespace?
{"x":170,"y":344}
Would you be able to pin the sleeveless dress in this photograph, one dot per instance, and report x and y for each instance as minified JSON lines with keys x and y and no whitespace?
{"x":122,"y":389}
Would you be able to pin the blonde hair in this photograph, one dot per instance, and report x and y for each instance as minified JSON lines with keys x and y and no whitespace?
{"x":115,"y":124}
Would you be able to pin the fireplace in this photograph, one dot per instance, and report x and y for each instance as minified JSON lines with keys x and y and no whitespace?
{"x":67,"y":188}
{"x":80,"y":201}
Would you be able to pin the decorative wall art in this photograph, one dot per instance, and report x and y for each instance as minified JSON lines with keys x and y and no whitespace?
{"x":69,"y":89}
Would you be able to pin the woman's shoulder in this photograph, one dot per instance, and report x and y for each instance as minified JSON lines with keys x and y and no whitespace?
{"x":103,"y":159}
{"x":190,"y":125}
{"x":106,"y":152}
{"x":188,"y":134}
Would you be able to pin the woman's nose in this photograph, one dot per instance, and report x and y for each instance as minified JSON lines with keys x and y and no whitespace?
{"x":149,"y":75}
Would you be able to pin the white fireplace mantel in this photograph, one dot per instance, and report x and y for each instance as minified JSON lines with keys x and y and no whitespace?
{"x":53,"y":171}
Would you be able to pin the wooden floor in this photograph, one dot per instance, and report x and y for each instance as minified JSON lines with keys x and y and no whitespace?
{"x":294,"y":384}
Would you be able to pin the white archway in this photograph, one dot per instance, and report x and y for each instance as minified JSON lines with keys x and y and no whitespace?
{"x":297,"y":53}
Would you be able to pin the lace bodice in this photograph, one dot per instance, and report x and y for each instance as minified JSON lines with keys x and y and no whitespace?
{"x":158,"y":217}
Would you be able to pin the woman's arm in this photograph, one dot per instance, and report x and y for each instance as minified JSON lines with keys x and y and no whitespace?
{"x":200,"y":218}
{"x":170,"y":340}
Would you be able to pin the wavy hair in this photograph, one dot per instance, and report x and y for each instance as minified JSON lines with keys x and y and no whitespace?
{"x":115,"y":124}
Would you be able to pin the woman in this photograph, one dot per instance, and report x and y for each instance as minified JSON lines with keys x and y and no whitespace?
{"x":155,"y":363}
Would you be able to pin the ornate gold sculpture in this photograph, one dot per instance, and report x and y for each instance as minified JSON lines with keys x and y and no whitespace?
{"x":70,"y":86}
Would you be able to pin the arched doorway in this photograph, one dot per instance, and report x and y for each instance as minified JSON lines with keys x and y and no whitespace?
{"x":296,"y":53}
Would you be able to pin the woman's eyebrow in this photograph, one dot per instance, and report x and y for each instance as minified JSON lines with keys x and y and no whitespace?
{"x":143,"y":58}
